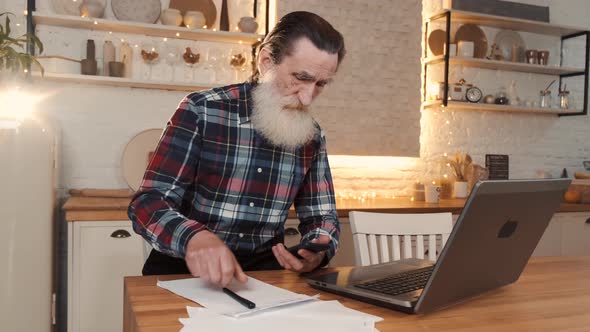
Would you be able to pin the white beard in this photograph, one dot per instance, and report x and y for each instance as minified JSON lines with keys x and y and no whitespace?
{"x":281,"y":120}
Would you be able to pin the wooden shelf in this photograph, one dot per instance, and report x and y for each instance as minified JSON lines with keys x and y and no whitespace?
{"x":156,"y":30}
{"x":461,"y":105}
{"x":459,"y":16}
{"x":122,"y":82}
{"x":505,"y":65}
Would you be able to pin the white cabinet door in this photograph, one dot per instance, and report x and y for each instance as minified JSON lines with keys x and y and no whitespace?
{"x":550,"y":243}
{"x":102,"y":254}
{"x":575,"y":232}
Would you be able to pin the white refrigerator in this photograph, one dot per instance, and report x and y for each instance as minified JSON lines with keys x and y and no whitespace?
{"x":28,"y":190}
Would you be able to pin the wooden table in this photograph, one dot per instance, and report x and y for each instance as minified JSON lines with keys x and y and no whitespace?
{"x":553,"y":294}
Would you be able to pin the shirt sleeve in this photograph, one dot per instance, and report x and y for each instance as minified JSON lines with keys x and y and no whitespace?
{"x":315,"y":204}
{"x":155,"y":208}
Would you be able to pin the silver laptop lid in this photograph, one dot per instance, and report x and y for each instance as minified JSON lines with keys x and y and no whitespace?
{"x":493,"y":239}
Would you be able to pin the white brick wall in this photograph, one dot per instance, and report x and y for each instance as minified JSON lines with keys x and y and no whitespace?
{"x":371,"y":108}
{"x":97,"y":122}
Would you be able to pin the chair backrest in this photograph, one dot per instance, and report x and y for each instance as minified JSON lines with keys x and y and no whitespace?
{"x":384,"y":237}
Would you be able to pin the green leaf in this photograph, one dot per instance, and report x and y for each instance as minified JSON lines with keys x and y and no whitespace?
{"x":13,"y":50}
{"x":38,"y":64}
{"x":7,"y":25}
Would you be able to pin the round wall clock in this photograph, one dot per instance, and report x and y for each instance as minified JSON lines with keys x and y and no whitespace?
{"x":473,"y":94}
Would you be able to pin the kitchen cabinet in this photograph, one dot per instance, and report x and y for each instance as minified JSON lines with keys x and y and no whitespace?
{"x":568,"y":234}
{"x":575,"y":234}
{"x":100,"y":254}
{"x":457,"y":17}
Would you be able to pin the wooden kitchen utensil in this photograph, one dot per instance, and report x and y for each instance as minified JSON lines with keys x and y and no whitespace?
{"x":207,"y":7}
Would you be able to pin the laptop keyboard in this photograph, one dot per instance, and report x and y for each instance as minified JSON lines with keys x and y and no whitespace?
{"x":400,"y":283}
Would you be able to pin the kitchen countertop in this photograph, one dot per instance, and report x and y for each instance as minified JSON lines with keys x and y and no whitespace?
{"x":82,"y":208}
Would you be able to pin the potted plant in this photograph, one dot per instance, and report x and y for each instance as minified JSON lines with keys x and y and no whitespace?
{"x":461,"y":165}
{"x":13,"y":56}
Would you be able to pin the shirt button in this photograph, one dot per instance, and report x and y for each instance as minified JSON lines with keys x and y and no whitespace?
{"x":259,"y":170}
{"x":251,"y":204}
{"x":241,"y":235}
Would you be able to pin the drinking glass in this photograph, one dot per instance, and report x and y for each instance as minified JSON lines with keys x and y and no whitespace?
{"x":238,"y":60}
{"x":172,"y":57}
{"x":150,"y":55}
{"x":192,"y":58}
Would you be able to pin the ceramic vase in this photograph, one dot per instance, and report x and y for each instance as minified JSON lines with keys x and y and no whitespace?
{"x":126,"y":54}
{"x":90,"y":8}
{"x":108,"y":55}
{"x":248,"y":25}
{"x":460,"y":189}
{"x":171,"y":16}
{"x":194,"y":19}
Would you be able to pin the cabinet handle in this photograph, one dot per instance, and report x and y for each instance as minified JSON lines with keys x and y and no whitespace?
{"x":120,"y":234}
{"x":291,"y":231}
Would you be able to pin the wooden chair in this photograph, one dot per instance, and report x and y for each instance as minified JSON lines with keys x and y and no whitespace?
{"x":384,"y":237}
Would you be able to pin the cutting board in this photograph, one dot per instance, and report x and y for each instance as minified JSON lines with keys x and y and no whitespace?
{"x":207,"y":7}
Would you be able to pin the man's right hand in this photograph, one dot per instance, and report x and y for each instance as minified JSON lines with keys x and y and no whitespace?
{"x":209,"y":258}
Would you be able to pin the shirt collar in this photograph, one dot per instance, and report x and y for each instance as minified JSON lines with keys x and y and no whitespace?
{"x":245,"y":105}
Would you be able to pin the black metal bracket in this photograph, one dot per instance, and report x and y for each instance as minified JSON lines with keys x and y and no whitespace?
{"x":31,"y":7}
{"x":585,"y":72}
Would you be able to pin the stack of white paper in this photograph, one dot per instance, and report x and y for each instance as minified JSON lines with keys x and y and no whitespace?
{"x":315,"y":316}
{"x":265,"y":296}
{"x":276,"y":309}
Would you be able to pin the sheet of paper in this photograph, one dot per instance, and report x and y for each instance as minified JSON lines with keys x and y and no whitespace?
{"x":265,"y":296}
{"x":316,"y":316}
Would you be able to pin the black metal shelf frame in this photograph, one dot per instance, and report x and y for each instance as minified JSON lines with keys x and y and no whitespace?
{"x":586,"y":67}
{"x":447,"y":16}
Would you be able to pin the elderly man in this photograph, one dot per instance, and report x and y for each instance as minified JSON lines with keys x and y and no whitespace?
{"x":232,"y":161}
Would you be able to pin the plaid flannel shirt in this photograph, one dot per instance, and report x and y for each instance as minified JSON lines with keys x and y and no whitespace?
{"x":212,"y":170}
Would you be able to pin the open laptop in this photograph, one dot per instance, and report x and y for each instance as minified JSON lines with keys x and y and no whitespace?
{"x":491,"y":242}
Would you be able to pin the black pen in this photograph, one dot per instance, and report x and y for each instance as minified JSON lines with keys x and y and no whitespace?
{"x":246,"y":303}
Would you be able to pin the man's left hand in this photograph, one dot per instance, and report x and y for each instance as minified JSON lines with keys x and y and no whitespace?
{"x":310,"y":259}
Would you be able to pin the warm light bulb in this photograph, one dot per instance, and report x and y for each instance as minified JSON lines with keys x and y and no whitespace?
{"x":178,"y":34}
{"x":17,"y":104}
{"x":205,"y":26}
{"x":165,"y":39}
{"x":95,"y":22}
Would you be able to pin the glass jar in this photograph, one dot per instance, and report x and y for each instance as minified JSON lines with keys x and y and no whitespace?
{"x":545,"y":99}
{"x":564,"y":100}
{"x":445,"y":178}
